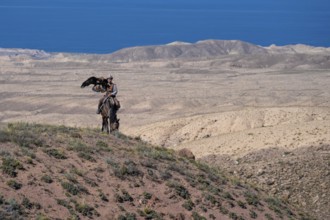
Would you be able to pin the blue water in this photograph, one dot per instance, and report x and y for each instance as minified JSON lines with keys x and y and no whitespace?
{"x":104,"y":26}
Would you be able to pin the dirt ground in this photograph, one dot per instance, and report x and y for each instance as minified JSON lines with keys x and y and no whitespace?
{"x":212,"y":109}
{"x":225,"y":110}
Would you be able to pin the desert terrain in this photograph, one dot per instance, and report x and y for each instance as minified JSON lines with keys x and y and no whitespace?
{"x":251,"y":109}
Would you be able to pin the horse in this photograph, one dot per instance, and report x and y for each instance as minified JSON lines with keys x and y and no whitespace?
{"x":110,"y":122}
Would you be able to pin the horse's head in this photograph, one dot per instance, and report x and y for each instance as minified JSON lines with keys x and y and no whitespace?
{"x":115,"y":125}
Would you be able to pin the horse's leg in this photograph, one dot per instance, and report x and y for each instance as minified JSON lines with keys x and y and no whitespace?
{"x":108,"y":124}
{"x":103,"y":124}
{"x":112,"y":118}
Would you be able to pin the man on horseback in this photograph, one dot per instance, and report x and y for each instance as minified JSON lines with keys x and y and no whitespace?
{"x":111,"y":92}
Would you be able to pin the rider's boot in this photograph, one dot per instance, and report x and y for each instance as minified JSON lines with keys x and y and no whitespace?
{"x":98,"y":111}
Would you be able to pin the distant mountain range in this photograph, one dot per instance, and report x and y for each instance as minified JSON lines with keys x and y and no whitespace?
{"x":200,"y":49}
{"x":208,"y":49}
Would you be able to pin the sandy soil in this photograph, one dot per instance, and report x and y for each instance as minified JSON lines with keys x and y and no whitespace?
{"x":215,"y":108}
{"x":210,"y":109}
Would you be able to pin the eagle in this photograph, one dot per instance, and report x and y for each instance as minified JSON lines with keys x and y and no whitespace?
{"x":95,"y":81}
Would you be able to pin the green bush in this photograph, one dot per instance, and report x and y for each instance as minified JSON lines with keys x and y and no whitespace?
{"x":253,"y":214}
{"x":124,"y":197}
{"x":179,"y":189}
{"x":101,"y":145}
{"x":129,"y":168}
{"x":9,"y":166}
{"x":86,"y":156}
{"x":47,"y":179}
{"x":74,"y":189}
{"x":241,"y":204}
{"x":189,"y":205}
{"x":27,"y":204}
{"x":85,"y":210}
{"x":252,"y":199}
{"x":13,"y":184}
{"x":196,"y":216}
{"x":55,"y":153}
{"x":127,"y":216}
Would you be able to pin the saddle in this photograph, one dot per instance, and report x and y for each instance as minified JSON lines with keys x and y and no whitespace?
{"x":113,"y":101}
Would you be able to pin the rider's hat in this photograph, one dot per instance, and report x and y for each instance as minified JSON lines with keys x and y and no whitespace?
{"x":110,"y":77}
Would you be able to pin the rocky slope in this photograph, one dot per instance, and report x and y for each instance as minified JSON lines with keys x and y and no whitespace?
{"x":53,"y":172}
{"x":299,"y":176}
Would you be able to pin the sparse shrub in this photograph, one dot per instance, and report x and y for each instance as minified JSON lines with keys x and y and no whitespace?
{"x":71,"y":177}
{"x":74,"y":189}
{"x":5,"y":153}
{"x":28,"y":152}
{"x":129,"y":168}
{"x":55,"y":153}
{"x":157,"y":153}
{"x":13,"y":184}
{"x":27,"y":204}
{"x":112,"y":163}
{"x":241,"y":204}
{"x":149,"y":163}
{"x":75,"y":135}
{"x":14,"y":209}
{"x":147,"y":195}
{"x":227,"y":195}
{"x":211,"y":199}
{"x":192,"y":181}
{"x":118,"y":198}
{"x":2,"y":199}
{"x":79,"y":146}
{"x":275,"y":205}
{"x":165,"y":175}
{"x":211,"y":216}
{"x":223,"y":210}
{"x":41,"y":216}
{"x":127,"y":216}
{"x":103,"y":197}
{"x":29,"y":161}
{"x":76,"y":171}
{"x":4,"y":136}
{"x":203,"y":208}
{"x":47,"y":179}
{"x":90,"y":182}
{"x":85,"y":210}
{"x":268,"y":216}
{"x":233,"y":215}
{"x":196,"y":216}
{"x":9,"y":166}
{"x":99,"y":170}
{"x":65,"y":204}
{"x":178,"y":168}
{"x":101,"y":145}
{"x":148,"y":213}
{"x":252,"y":199}
{"x":179,"y":189}
{"x":24,"y":134}
{"x":126,"y":196}
{"x":86,"y":156}
{"x":253,"y":214}
{"x":189,"y":205}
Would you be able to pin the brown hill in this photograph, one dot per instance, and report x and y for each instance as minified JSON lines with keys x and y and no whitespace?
{"x":207,"y":48}
{"x":51,"y":172}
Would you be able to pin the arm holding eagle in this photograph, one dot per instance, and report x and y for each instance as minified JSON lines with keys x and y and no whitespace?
{"x":100,"y":84}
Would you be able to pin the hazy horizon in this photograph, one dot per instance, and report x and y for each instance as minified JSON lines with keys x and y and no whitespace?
{"x":100,"y":26}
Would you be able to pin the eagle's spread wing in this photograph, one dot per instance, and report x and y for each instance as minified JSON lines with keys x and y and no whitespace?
{"x":94,"y":80}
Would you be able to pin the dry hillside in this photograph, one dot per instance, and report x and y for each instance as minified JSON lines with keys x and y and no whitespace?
{"x":51,"y":172}
{"x":260,"y":113}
